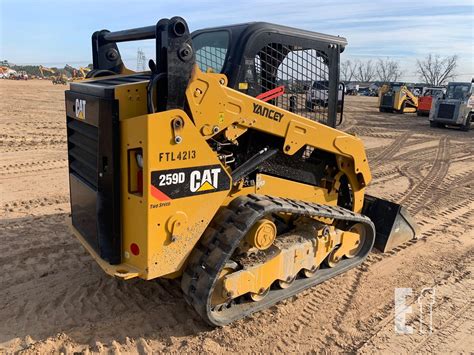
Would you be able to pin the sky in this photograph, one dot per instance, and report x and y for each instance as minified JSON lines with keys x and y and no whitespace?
{"x":56,"y":32}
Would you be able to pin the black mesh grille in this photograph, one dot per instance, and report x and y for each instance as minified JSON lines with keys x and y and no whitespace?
{"x":446,"y":111}
{"x":211,"y":59}
{"x":387,"y":100}
{"x":83,"y":150}
{"x":304,"y":75}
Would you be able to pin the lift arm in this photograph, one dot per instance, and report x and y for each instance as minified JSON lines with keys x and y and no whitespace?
{"x":217,"y":108}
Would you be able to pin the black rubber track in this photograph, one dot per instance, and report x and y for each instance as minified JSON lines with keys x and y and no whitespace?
{"x":223,"y":236}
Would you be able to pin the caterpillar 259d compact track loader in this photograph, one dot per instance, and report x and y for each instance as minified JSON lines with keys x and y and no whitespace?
{"x":210,"y":168}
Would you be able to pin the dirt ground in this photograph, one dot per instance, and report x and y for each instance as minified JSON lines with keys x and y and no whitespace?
{"x":54,"y":298}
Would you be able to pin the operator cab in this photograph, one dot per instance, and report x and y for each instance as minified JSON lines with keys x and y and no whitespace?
{"x":277,"y":64}
{"x":394,"y":87}
{"x":434,"y":92}
{"x":459,"y":91}
{"x":271,"y":62}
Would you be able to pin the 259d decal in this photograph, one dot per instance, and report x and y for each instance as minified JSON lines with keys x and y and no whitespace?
{"x":177,"y":183}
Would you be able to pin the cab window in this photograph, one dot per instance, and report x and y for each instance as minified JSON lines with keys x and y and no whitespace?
{"x":211,"y":50}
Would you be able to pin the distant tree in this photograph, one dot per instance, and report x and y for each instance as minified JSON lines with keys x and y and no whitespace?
{"x":387,"y":70}
{"x":365,"y":71}
{"x":436,"y":70}
{"x":348,"y":70}
{"x":30,"y":69}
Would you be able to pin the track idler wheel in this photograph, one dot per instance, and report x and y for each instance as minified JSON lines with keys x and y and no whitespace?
{"x":361,"y":230}
{"x":217,"y":297}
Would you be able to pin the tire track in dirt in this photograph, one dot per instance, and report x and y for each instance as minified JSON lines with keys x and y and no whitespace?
{"x":447,"y":195}
{"x":421,"y":154}
{"x":35,"y":124}
{"x":375,"y":133}
{"x":413,"y":200}
{"x":411,"y":169}
{"x":392,"y":158}
{"x":315,"y":298}
{"x":455,"y":275}
{"x":72,"y":287}
{"x":27,"y":143}
{"x":451,"y":213}
{"x":21,"y":205}
{"x":390,"y":150}
{"x":32,"y":166}
{"x":446,"y":332}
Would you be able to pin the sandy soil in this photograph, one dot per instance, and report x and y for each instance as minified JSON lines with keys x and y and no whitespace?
{"x":56,"y":299}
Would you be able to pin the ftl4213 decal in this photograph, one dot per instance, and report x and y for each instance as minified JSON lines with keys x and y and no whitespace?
{"x":177,"y":183}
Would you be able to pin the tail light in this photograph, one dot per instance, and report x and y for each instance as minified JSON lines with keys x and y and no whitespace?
{"x":135,"y":171}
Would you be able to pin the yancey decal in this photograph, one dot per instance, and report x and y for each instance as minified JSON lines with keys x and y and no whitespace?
{"x":177,"y":183}
{"x":80,"y":108}
{"x":266,"y":112}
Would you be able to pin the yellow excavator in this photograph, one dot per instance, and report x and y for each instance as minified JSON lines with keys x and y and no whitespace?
{"x":56,"y":78}
{"x":43,"y":70}
{"x":79,"y":73}
{"x":83,"y":71}
{"x":207,"y":168}
{"x":397,"y":97}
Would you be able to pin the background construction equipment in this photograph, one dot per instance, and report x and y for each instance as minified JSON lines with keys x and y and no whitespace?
{"x":397,"y":97}
{"x":455,"y":108}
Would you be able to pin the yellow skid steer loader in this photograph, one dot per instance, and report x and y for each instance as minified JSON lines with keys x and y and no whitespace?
{"x":211,"y":168}
{"x":398,"y":98}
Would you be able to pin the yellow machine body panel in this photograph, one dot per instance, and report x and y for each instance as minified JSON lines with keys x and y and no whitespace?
{"x":166,"y":228}
{"x":132,"y":99}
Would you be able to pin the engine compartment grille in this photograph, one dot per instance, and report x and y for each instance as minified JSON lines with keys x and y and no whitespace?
{"x":387,"y":100}
{"x":446,"y":111}
{"x":83,"y":150}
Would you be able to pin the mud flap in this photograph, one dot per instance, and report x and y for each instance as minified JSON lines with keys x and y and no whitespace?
{"x":393,"y":224}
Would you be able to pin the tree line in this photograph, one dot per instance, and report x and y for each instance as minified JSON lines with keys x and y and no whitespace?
{"x":433,"y":70}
